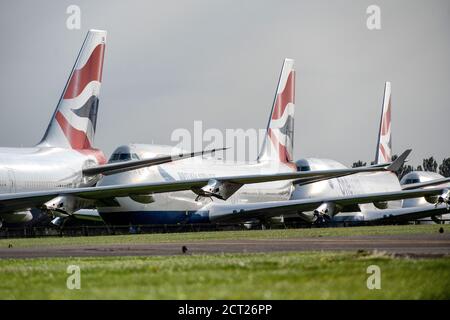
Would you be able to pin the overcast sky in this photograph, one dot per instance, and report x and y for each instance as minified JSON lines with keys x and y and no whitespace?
{"x":169,"y":63}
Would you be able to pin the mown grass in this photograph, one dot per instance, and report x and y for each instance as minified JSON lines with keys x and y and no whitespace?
{"x":309,"y":275}
{"x":223,"y":235}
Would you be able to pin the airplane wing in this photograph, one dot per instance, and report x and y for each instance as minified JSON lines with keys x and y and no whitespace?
{"x":407,"y":214}
{"x":220,"y":187}
{"x":418,"y":185}
{"x":223,"y":212}
{"x":393,"y":167}
{"x":117,"y":167}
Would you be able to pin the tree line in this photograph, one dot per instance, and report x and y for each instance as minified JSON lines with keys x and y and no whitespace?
{"x":428,"y":164}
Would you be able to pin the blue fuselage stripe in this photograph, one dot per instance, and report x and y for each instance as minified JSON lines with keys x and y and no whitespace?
{"x":155,"y":217}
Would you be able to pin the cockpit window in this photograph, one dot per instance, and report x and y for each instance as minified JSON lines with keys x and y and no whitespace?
{"x":123,"y":156}
{"x":411,"y":181}
{"x":303,"y":168}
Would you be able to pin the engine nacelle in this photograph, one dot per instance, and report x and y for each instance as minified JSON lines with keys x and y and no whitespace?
{"x":443,"y":198}
{"x":326,"y":208}
{"x":143,"y":198}
{"x":324,"y":213}
{"x":431,"y":199}
{"x":217,"y":189}
{"x":250,"y":224}
{"x":17,"y":217}
{"x":381,"y":205}
{"x":63,"y":206}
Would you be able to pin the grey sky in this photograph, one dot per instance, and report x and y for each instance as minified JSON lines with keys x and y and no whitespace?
{"x":169,"y":63}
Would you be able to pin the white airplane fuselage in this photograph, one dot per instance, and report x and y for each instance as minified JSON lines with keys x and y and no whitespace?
{"x":67,"y":145}
{"x":182,"y":206}
{"x":360,"y":183}
{"x":417,"y":177}
{"x":42,"y":168}
{"x":185,"y":206}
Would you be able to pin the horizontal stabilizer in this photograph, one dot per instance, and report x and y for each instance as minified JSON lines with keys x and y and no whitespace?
{"x":398,"y":163}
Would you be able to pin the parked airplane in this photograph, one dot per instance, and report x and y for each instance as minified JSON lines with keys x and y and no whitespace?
{"x":65,"y":157}
{"x":412,"y":180}
{"x":364,"y":183}
{"x":183,"y":192}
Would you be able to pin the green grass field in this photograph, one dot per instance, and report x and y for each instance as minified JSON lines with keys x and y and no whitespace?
{"x":305,"y":275}
{"x":229,"y":276}
{"x":224,"y":235}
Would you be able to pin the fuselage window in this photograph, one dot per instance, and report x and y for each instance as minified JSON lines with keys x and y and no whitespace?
{"x":123,"y":157}
{"x":411,"y":181}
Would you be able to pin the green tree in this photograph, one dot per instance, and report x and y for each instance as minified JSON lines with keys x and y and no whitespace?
{"x":404,"y":170}
{"x":430,"y":164}
{"x":444,"y":168}
{"x":358,"y":163}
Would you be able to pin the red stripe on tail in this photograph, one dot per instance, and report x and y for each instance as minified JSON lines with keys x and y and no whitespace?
{"x":77,"y":139}
{"x":91,"y":71}
{"x":285,"y":97}
{"x":383,"y":152}
{"x":283,"y":154}
{"x":386,"y":120}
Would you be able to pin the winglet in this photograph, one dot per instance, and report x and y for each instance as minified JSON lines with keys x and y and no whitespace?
{"x":394,"y":166}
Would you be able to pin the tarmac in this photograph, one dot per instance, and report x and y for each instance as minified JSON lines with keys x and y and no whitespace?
{"x":420,"y":245}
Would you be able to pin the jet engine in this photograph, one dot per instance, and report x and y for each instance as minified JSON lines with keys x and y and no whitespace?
{"x":63,"y":206}
{"x":324,"y":212}
{"x":217,"y":189}
{"x":143,"y":198}
{"x":444,"y":197}
{"x":381,"y":205}
{"x":16,"y":217}
{"x":439,"y":199}
{"x":432,"y":199}
{"x":264,"y":224}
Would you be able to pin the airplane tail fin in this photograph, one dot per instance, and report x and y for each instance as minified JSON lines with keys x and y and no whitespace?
{"x":384,"y":145}
{"x":74,"y":121}
{"x":279,"y":139}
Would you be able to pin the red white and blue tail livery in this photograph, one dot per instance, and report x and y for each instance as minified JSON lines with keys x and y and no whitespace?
{"x":279,"y":141}
{"x":384,"y":148}
{"x":65,"y":157}
{"x":74,"y":121}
